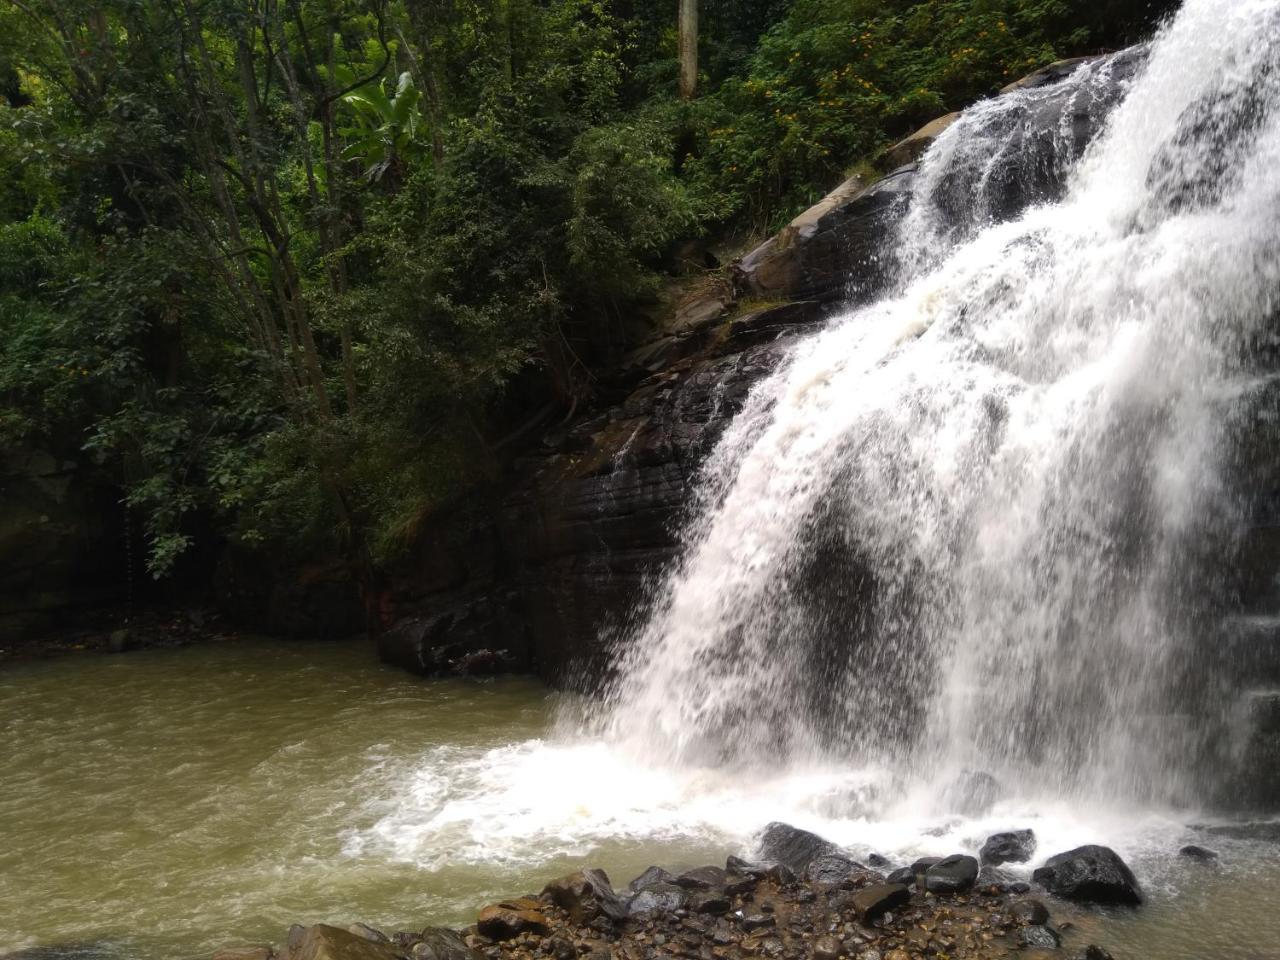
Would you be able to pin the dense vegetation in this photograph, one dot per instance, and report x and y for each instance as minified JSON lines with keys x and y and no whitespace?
{"x":293,"y":272}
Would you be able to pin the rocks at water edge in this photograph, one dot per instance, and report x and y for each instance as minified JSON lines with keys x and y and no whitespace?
{"x":510,"y":918}
{"x":1014,"y":846}
{"x":1090,"y":874}
{"x":872,"y":903}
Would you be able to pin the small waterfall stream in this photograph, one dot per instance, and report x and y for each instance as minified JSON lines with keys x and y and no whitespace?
{"x":969,"y":535}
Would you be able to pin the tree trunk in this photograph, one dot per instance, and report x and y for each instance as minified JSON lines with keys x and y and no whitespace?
{"x":688,"y":48}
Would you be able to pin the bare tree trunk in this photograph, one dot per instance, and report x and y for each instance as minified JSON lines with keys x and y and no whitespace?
{"x":688,"y":49}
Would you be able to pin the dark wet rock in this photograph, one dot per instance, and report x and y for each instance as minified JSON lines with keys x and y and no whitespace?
{"x":793,"y":847}
{"x":779,"y":873}
{"x":827,"y":948}
{"x":1029,"y":911}
{"x":736,"y":886}
{"x":871,"y":903}
{"x":923,"y":864}
{"x":586,"y":895}
{"x":701,"y":878}
{"x":658,"y":898}
{"x":715,"y":902}
{"x":649,"y":878}
{"x":477,"y":636}
{"x":1091,"y":874}
{"x":1020,"y":887}
{"x":510,"y":918}
{"x":972,"y":794}
{"x":439,"y":943}
{"x":1039,"y":935}
{"x":368,"y":933}
{"x":758,"y":921}
{"x":952,"y":875}
{"x":1015,"y":846}
{"x":1200,"y":854}
{"x":877,"y":861}
{"x":831,"y":870}
{"x":1092,"y":952}
{"x":323,"y":942}
{"x":904,"y":875}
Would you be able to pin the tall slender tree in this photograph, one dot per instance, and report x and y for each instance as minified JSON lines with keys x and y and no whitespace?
{"x":688,"y":48}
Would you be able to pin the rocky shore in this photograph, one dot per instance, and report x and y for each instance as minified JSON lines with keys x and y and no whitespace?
{"x":803,"y":899}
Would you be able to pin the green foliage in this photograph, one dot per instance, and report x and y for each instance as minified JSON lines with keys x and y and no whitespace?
{"x":291,"y":279}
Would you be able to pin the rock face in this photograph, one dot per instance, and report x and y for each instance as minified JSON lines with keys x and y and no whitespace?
{"x":1090,"y":874}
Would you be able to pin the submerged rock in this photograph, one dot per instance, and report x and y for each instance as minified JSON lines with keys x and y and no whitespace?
{"x":1029,"y":911}
{"x":1039,"y":935}
{"x":1015,"y":846}
{"x":952,"y":875}
{"x":1090,"y":874}
{"x":1199,"y":854}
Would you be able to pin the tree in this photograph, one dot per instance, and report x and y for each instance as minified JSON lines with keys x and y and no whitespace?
{"x":688,"y":48}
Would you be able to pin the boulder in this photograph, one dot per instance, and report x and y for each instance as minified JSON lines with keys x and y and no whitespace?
{"x":651,"y":876}
{"x":658,"y":898}
{"x":701,"y":878}
{"x":904,"y":875}
{"x":779,"y":873}
{"x":951,"y":875}
{"x":872,"y":903}
{"x":793,"y":847}
{"x":714,"y":902}
{"x":323,"y":942}
{"x":912,"y":148}
{"x":827,"y":948}
{"x":1090,"y":874}
{"x":439,"y":943}
{"x":1015,"y":846}
{"x":510,"y":918}
{"x":586,"y":895}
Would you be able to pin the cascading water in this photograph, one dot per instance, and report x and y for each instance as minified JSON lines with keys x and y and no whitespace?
{"x":967,"y":534}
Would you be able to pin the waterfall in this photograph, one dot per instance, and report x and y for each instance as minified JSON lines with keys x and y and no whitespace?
{"x":974,"y":534}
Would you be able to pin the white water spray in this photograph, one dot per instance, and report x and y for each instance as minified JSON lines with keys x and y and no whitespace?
{"x":965,"y":533}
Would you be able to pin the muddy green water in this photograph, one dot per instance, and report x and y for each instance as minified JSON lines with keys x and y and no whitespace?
{"x":162,"y":804}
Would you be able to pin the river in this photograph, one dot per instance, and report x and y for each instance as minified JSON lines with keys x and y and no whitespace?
{"x":160,"y":804}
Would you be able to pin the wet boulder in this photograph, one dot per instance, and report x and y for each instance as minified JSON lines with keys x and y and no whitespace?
{"x":793,"y":847}
{"x":323,"y":942}
{"x":651,"y":876}
{"x":701,"y":878}
{"x":1090,"y":874}
{"x":510,"y":918}
{"x":904,"y":875}
{"x":779,"y":873}
{"x":831,"y":870}
{"x":872,"y":903}
{"x":1015,"y":846}
{"x":658,"y":898}
{"x":368,"y":932}
{"x":714,"y":902}
{"x":440,"y":943}
{"x":586,"y":895}
{"x":951,"y":875}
